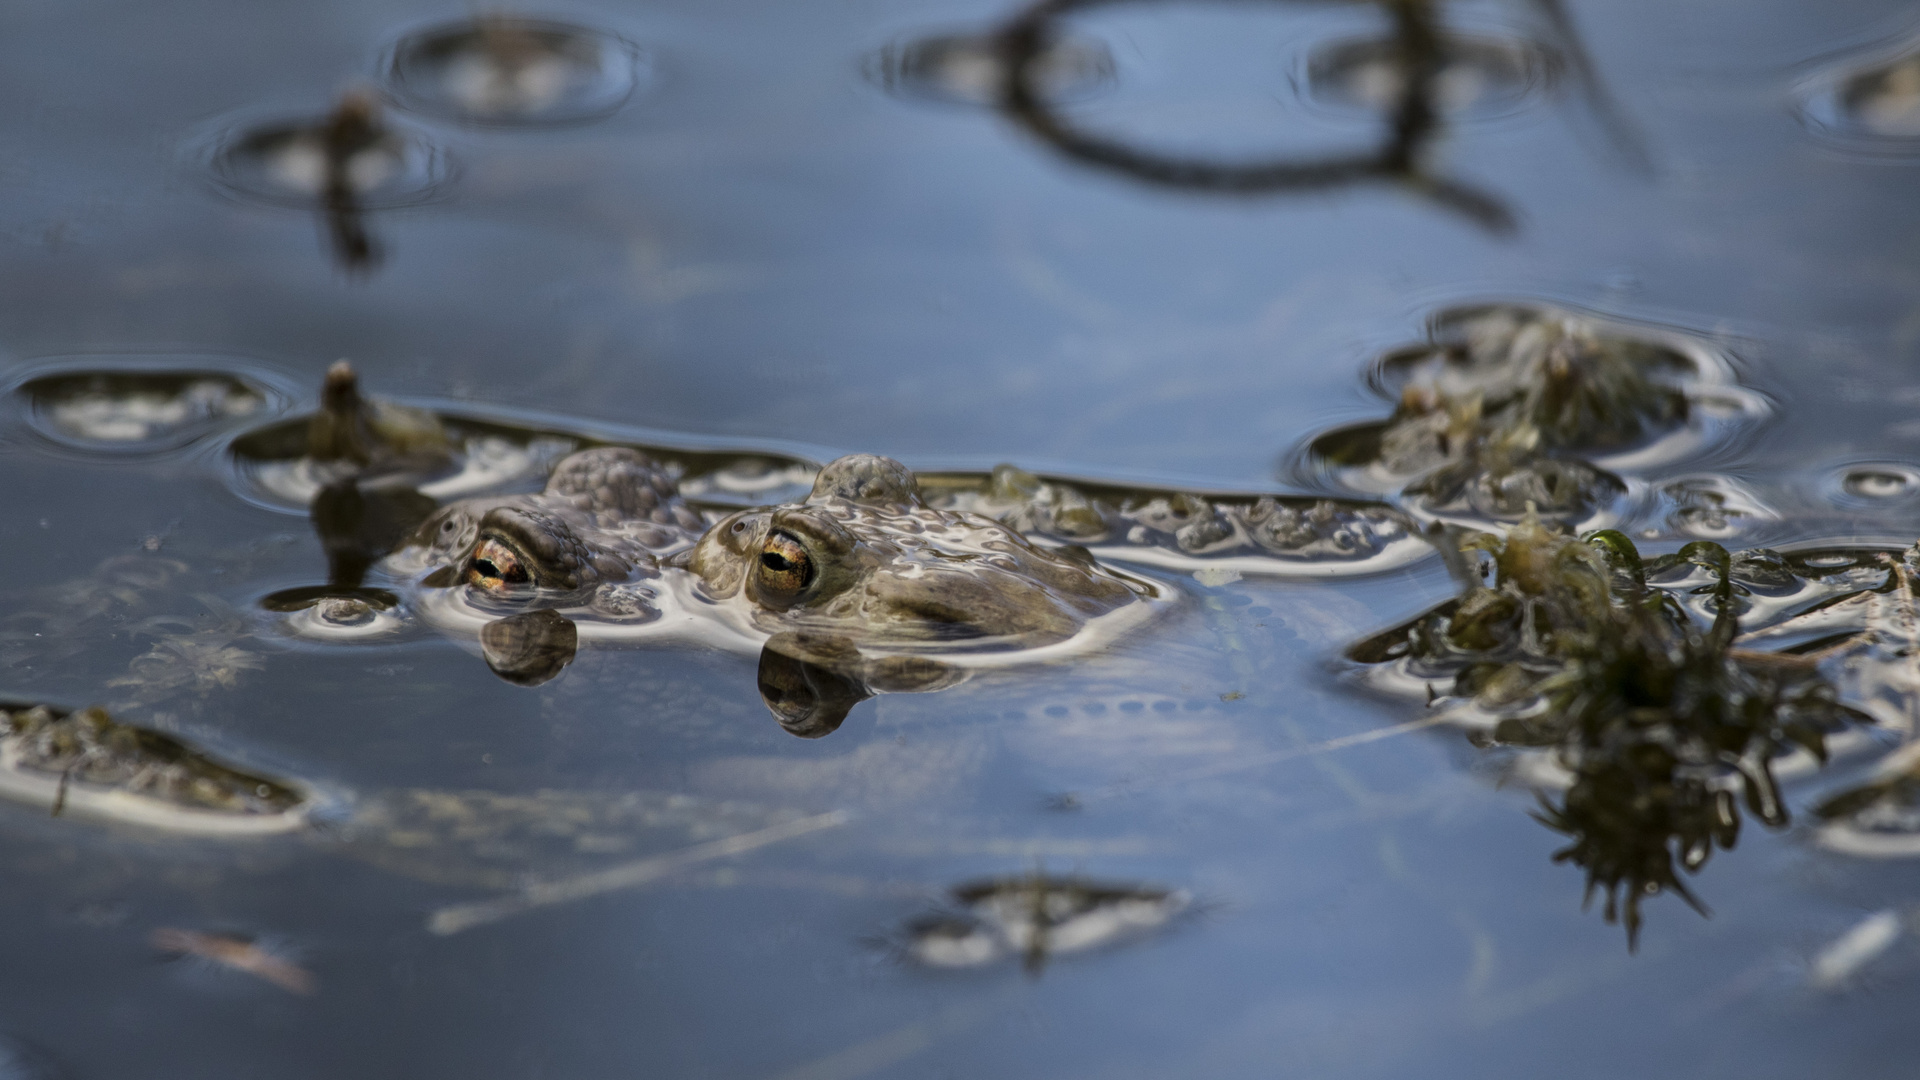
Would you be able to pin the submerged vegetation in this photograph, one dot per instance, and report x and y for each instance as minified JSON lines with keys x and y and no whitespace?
{"x":1664,"y":724}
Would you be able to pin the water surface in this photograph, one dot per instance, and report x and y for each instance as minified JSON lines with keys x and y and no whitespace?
{"x":764,"y":244}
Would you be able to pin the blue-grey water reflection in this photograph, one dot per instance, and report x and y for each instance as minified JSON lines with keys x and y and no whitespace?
{"x":751,"y":237}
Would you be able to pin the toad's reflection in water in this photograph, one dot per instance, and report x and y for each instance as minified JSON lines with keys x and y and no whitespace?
{"x":507,"y":70}
{"x":1038,"y":917}
{"x":810,"y":682}
{"x":1635,"y":677}
{"x":808,"y":700}
{"x":530,"y":648}
{"x":1512,"y":407}
{"x":87,"y":765}
{"x":343,"y":164}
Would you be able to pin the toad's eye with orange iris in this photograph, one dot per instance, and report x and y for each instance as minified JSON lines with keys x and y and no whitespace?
{"x":785,"y":568}
{"x":496,"y":567}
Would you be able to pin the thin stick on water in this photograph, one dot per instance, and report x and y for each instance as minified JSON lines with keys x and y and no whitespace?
{"x":457,"y":917}
{"x":1256,"y":761}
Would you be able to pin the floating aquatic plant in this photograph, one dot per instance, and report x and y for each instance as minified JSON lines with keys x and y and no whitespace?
{"x":1510,"y":405}
{"x":1666,"y":726}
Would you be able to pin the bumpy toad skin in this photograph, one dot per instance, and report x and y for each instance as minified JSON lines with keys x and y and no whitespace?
{"x":865,"y":560}
{"x":607,"y":515}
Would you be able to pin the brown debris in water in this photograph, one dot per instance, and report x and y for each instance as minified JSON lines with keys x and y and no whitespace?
{"x":238,"y":953}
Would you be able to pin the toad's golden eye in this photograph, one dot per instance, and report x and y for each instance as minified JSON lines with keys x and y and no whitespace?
{"x":785,"y":567}
{"x":496,"y":567}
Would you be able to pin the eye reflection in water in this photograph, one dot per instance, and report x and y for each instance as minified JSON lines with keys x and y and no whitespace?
{"x":807,"y":699}
{"x":530,"y":648}
{"x":811,"y":681}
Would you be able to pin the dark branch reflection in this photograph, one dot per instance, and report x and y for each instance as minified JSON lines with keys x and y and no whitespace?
{"x":349,"y":134}
{"x":1027,"y":42}
{"x":342,"y":165}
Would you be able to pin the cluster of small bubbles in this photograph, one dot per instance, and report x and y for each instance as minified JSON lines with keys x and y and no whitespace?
{"x":504,"y":70}
{"x":751,"y":482}
{"x":1872,"y":485}
{"x":970,"y":69}
{"x":344,"y":612}
{"x":1828,"y":562}
{"x":1709,"y":508}
{"x":342,"y":616}
{"x":343,"y":621}
{"x":1879,"y":483}
{"x":1478,"y":76}
{"x":136,"y":410}
{"x":626,"y":603}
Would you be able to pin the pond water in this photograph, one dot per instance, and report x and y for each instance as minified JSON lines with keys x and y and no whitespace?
{"x":1194,"y":269}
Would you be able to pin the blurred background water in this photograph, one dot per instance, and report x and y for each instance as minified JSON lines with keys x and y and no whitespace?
{"x":790,"y":226}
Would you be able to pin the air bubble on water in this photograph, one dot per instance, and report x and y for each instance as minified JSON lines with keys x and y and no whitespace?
{"x":1478,"y":76}
{"x":138,"y":409}
{"x":505,"y":70}
{"x":970,"y":69}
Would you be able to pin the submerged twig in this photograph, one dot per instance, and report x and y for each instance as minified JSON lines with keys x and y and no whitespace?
{"x":458,"y":917}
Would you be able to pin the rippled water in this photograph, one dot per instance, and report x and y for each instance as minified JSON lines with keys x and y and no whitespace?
{"x":1158,"y":257}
